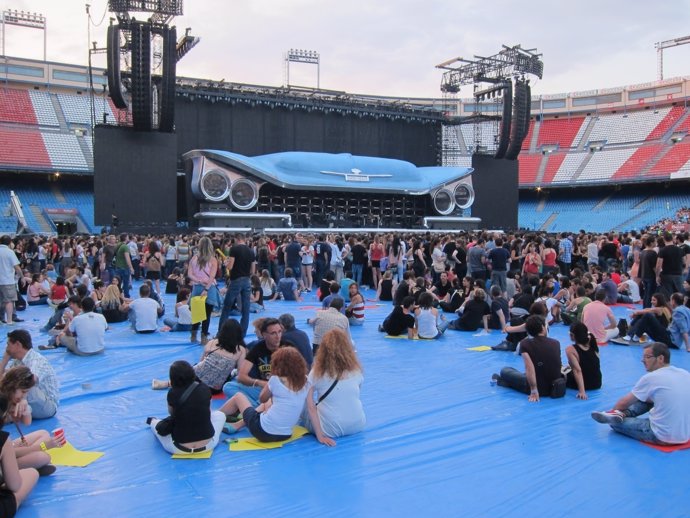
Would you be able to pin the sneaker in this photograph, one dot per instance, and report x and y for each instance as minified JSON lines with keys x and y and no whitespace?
{"x":233,"y":418}
{"x":46,"y":470}
{"x":609,"y":417}
{"x":505,"y":345}
{"x":160,"y":384}
{"x":47,"y":347}
{"x":381,"y":329}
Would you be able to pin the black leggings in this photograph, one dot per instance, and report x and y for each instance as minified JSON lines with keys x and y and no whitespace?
{"x":204,"y":323}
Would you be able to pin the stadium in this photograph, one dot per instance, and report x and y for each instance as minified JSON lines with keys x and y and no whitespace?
{"x":283,"y":161}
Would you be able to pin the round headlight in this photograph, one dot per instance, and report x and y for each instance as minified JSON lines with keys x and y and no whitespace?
{"x":464,"y":196}
{"x":443,"y":202}
{"x":215,"y":185}
{"x":243,"y":194}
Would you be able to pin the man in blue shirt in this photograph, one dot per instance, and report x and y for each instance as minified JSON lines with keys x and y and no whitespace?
{"x":565,"y":254}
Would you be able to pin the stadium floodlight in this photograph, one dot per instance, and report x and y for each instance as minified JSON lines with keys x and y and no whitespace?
{"x":26,"y":20}
{"x":309,"y":57}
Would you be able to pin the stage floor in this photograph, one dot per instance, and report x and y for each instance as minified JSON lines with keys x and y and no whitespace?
{"x":439,"y":439}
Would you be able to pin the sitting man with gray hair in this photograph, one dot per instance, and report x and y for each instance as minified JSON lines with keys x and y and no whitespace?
{"x":296,"y":337}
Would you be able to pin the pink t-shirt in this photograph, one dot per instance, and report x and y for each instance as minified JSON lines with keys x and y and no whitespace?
{"x":596,"y":317}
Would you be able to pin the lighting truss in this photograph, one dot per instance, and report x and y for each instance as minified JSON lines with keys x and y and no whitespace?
{"x":509,"y":62}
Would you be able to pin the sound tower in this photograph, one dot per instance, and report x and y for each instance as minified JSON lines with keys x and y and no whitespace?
{"x":142,"y":110}
{"x":521,"y":111}
{"x":504,"y":138}
{"x":167,"y":90}
{"x":113,"y":57}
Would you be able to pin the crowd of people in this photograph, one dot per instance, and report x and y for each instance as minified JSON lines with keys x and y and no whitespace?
{"x":519,"y":284}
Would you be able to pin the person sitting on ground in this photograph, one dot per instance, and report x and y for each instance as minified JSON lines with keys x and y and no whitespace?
{"x":427,"y":318}
{"x":334,"y":293}
{"x":653,"y":321}
{"x":87,"y":331}
{"x":333,"y":405}
{"x":516,"y":331}
{"x":173,"y":281}
{"x":61,"y":330}
{"x":327,"y":319}
{"x":404,"y":288}
{"x":573,"y":311}
{"x":583,"y":358}
{"x":401,"y":320}
{"x":143,"y":312}
{"x":680,"y":323}
{"x":386,"y":288}
{"x":268,"y":285}
{"x":182,"y":322}
{"x":44,"y":396}
{"x":194,"y":428}
{"x":256,"y":295}
{"x":282,"y":400}
{"x":456,"y":297}
{"x":609,"y":287}
{"x":551,"y":303}
{"x":542,"y":357}
{"x":17,"y":483}
{"x":475,"y":311}
{"x":345,"y":284}
{"x":628,"y":290}
{"x":58,"y":292}
{"x":97,"y":293}
{"x":220,"y":357}
{"x":500,"y":312}
{"x":36,"y":295}
{"x":112,"y":305}
{"x":287,"y":287}
{"x":664,"y":393}
{"x":30,"y":449}
{"x":599,"y":319}
{"x":355,"y":309}
{"x":296,"y":337}
{"x":325,"y":284}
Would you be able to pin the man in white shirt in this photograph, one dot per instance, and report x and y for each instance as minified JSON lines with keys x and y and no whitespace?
{"x":664,"y":392}
{"x":44,"y":396}
{"x":143,"y":312}
{"x":88,"y":331}
{"x":628,"y":290}
{"x":9,"y":268}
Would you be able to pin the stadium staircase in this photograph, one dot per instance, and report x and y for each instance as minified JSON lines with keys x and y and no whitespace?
{"x":542,"y":169}
{"x":38,"y":222}
{"x":536,"y":126}
{"x":64,"y":126}
{"x":549,"y":220}
{"x":581,"y":167}
{"x":584,"y":139}
{"x":86,"y":150}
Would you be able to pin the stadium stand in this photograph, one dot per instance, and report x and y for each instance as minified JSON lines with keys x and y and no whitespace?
{"x":23,"y":149}
{"x":570,"y":166}
{"x":65,"y":152}
{"x":43,"y":106}
{"x":16,"y":107}
{"x":565,"y":133}
{"x":621,"y":128}
{"x":637,"y":162}
{"x":667,"y":123}
{"x":604,"y":164}
{"x":674,"y":161}
{"x":529,"y":168}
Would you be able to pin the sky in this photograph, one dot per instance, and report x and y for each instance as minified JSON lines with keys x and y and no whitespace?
{"x":390,"y":47}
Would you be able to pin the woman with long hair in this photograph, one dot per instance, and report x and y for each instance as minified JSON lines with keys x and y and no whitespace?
{"x":307,"y":255}
{"x":376,"y":253}
{"x":583,"y":358}
{"x":182,"y":322}
{"x":192,"y":427}
{"x":202,"y":273}
{"x":653,"y":321}
{"x":333,"y":405}
{"x":153,"y":259}
{"x":112,"y":305}
{"x":282,"y":399}
{"x":30,"y":449}
{"x":17,"y":483}
{"x":355,"y":309}
{"x":427,"y":317}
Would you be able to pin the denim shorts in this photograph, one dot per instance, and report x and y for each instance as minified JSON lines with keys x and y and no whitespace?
{"x":252,"y":420}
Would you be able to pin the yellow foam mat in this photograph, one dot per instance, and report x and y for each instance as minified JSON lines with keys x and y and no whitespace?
{"x":479,"y":348}
{"x":206,"y":454}
{"x":250,"y":443}
{"x":68,"y":455}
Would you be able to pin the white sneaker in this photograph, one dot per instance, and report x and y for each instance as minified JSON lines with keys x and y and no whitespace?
{"x":160,"y":384}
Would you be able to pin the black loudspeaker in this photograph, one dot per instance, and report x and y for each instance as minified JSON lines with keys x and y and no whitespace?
{"x":517,"y":133}
{"x":528,"y":111}
{"x":167,"y":92}
{"x":504,"y":138}
{"x":142,"y":109}
{"x":113,"y":56}
{"x":495,"y":184}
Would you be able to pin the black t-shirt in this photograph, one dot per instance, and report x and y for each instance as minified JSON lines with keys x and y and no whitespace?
{"x":292,"y":254}
{"x":244,"y":257}
{"x":499,"y":259}
{"x":545,"y":354}
{"x":192,"y":418}
{"x":608,"y":250}
{"x":648,"y":264}
{"x":260,"y":357}
{"x":672,"y":257}
{"x":322,"y":251}
{"x":359,"y":254}
{"x":398,"y":323}
{"x":402,"y":291}
{"x":498,"y":304}
{"x":523,"y":300}
{"x":474,"y":313}
{"x":443,"y":289}
{"x":591,"y":370}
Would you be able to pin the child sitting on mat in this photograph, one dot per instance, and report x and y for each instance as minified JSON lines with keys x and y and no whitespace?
{"x":282,"y":400}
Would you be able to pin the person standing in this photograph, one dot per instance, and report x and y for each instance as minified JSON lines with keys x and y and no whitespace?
{"x":647,"y":271}
{"x":669,"y":267}
{"x":664,"y":393}
{"x":9,"y":268}
{"x":240,"y":264}
{"x":202,"y":273}
{"x":123,"y":264}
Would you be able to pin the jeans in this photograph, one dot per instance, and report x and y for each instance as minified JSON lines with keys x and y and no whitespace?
{"x":175,"y":326}
{"x":41,"y":406}
{"x":639,"y":429}
{"x":649,"y":323}
{"x":671,"y":284}
{"x":357,"y":270}
{"x":123,"y":274}
{"x":240,"y":287}
{"x":233,"y":387}
{"x":498,"y":278}
{"x":513,"y":378}
{"x":649,"y":286}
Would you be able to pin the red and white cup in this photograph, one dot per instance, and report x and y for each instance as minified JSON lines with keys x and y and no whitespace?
{"x":59,"y":436}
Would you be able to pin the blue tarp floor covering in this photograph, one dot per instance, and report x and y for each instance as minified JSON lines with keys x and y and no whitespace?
{"x":439,"y":441}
